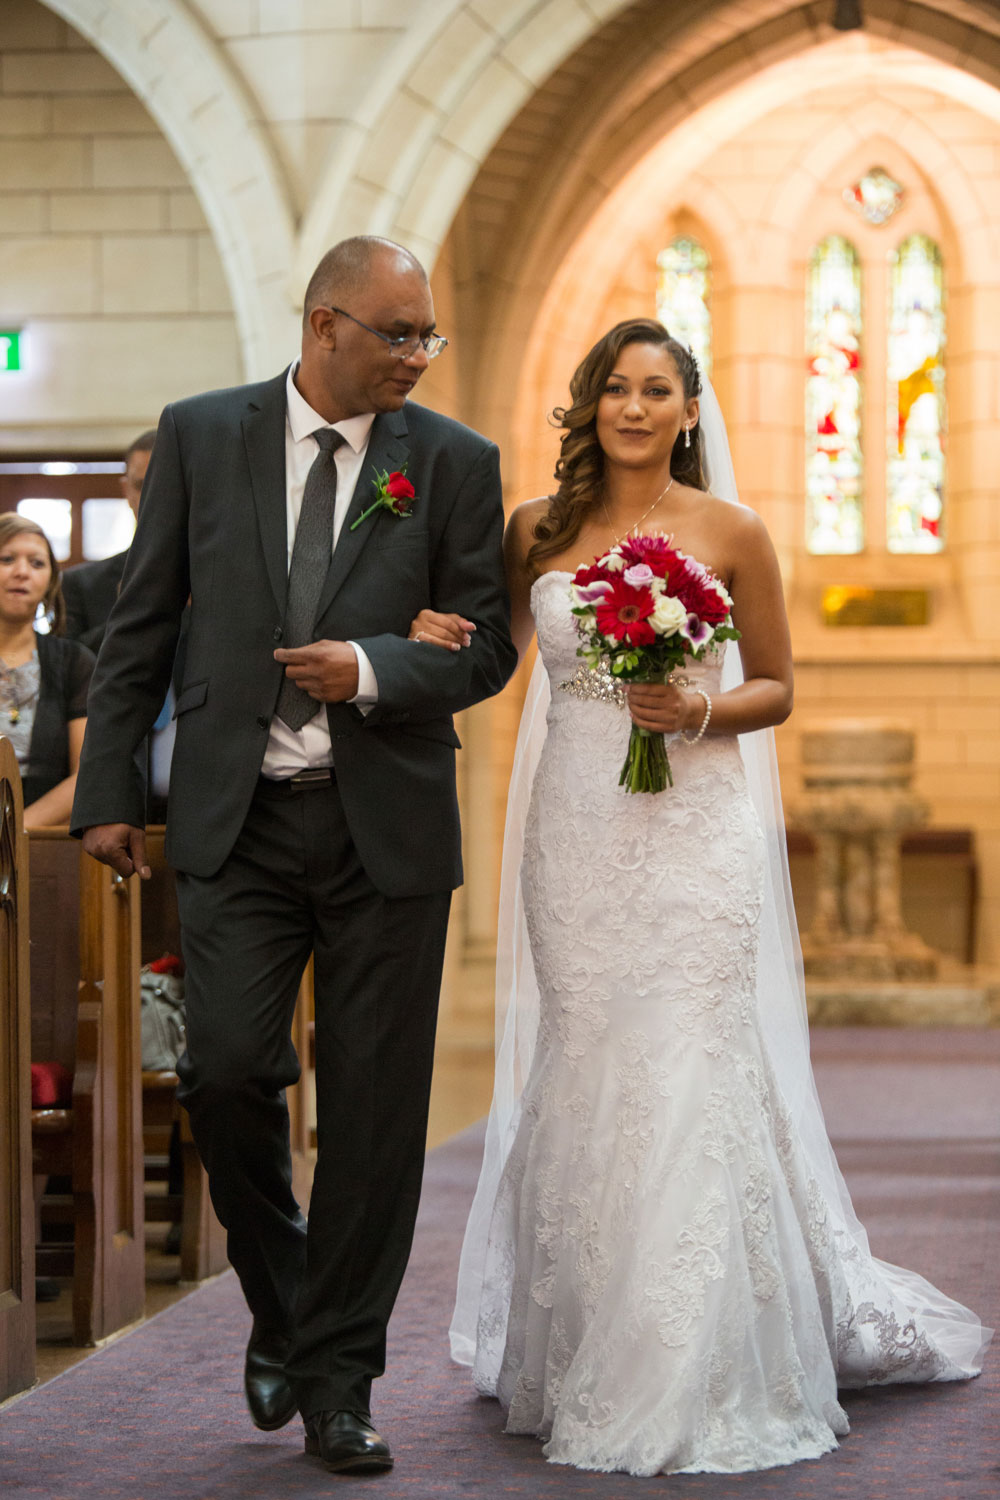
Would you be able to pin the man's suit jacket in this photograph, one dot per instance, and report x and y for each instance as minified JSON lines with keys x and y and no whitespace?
{"x":213,"y":524}
{"x":90,"y":590}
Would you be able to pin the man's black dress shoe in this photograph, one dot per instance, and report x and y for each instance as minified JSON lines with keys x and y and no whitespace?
{"x":346,"y":1442}
{"x":269,"y":1396}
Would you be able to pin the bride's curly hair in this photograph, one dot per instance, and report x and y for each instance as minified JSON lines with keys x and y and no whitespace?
{"x":580,"y":469}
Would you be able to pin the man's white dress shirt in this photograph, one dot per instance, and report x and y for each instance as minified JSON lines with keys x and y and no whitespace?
{"x":291,"y":750}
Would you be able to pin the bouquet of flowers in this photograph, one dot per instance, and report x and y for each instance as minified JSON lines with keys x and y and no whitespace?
{"x":643,"y":609}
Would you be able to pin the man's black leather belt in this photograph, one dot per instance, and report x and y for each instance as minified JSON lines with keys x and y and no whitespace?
{"x":302,"y":781}
{"x":320,"y":776}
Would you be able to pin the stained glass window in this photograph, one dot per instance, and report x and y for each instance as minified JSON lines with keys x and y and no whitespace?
{"x":683,"y":296}
{"x":916,"y":407}
{"x":834,"y":498}
{"x":875,"y":196}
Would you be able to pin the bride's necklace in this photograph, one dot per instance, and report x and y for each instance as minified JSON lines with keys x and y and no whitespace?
{"x":636,"y":524}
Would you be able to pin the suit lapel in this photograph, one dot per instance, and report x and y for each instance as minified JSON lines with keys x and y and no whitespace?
{"x":264,"y":439}
{"x":387,"y":450}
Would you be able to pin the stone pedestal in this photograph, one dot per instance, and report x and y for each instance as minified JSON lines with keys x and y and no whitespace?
{"x":857,"y":802}
{"x":961,"y":995}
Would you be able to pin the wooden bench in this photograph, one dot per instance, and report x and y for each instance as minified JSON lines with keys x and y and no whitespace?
{"x":202,"y":1237}
{"x":85,"y":1015}
{"x":17,"y":1228}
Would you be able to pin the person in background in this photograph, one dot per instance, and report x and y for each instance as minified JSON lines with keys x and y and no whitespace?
{"x":91,"y":588}
{"x":44,"y":678}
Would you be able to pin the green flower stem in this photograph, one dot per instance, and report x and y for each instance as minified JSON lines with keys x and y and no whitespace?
{"x":375,"y":505}
{"x":647,"y":766}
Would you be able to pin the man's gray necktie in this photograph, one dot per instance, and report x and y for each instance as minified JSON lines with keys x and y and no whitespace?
{"x":307,"y":574}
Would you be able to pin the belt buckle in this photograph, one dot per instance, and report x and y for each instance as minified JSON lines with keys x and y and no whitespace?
{"x":318,"y":776}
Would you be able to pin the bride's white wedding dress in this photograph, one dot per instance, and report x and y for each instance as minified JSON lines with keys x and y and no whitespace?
{"x":664,"y":1288}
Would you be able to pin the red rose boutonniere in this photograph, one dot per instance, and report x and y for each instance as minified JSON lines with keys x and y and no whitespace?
{"x":393,"y":493}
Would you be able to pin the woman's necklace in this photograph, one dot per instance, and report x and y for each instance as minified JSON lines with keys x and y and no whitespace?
{"x":636,"y":524}
{"x":13,"y":701}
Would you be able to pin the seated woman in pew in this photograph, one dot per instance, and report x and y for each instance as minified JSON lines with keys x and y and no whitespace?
{"x":43,"y":678}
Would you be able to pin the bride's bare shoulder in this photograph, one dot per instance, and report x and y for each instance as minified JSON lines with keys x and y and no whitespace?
{"x":737,"y":521}
{"x":520,"y":534}
{"x":525,"y":516}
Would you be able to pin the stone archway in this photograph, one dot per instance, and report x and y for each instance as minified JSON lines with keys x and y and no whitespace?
{"x":455,"y":76}
{"x":445,"y":96}
{"x":184,"y":80}
{"x":567,"y":302}
{"x":679,"y":97}
{"x":543,"y":227}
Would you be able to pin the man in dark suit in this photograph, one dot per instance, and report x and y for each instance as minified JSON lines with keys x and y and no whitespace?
{"x":91,"y":588}
{"x":312,"y":799}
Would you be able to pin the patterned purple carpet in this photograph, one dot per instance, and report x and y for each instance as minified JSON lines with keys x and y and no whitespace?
{"x":915,"y":1119}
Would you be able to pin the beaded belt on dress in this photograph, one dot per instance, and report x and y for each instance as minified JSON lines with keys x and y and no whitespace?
{"x":597,"y":684}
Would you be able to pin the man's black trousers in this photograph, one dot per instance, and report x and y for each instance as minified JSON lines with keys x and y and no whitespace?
{"x":292,"y":886}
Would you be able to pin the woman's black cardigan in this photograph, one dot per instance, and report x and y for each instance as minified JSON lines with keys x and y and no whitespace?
{"x":64,"y":671}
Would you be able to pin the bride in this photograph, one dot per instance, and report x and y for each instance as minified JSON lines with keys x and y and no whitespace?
{"x":662,"y":1271}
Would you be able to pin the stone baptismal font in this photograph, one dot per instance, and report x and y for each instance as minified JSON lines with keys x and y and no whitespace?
{"x":857,"y":803}
{"x":863,"y":965}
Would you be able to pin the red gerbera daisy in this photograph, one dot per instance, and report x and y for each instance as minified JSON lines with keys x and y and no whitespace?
{"x":623,"y":614}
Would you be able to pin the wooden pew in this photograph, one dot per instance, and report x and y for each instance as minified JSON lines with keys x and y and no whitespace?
{"x":90,"y":1024}
{"x":17,"y":1230}
{"x":203,"y":1239}
{"x":301,"y":1097}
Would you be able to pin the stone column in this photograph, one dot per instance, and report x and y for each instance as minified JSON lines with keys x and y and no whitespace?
{"x":827,"y":925}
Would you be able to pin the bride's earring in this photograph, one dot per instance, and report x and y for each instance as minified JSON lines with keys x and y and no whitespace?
{"x":687,"y":437}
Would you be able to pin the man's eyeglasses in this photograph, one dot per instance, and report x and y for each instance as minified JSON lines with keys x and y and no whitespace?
{"x":401,"y":348}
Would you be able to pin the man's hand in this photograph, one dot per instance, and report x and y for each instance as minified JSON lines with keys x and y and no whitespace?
{"x":119,"y":845}
{"x":326,"y":670}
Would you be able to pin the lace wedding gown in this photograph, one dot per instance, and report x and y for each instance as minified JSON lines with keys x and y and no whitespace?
{"x":664,"y":1288}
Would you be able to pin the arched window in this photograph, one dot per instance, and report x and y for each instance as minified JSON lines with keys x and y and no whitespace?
{"x":916,"y":407}
{"x":683,"y":296}
{"x":835,"y":520}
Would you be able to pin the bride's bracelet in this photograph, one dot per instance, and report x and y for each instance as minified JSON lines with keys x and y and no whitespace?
{"x":693,"y":740}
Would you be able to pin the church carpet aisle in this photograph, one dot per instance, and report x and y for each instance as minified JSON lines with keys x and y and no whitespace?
{"x":914,"y":1116}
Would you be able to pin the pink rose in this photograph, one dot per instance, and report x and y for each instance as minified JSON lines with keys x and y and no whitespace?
{"x":639,"y":575}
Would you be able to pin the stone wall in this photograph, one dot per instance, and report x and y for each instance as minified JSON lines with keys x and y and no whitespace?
{"x":105,"y":254}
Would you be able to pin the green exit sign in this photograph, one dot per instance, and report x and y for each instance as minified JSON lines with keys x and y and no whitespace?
{"x":10,"y":349}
